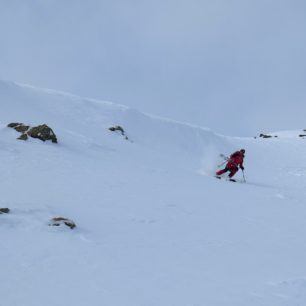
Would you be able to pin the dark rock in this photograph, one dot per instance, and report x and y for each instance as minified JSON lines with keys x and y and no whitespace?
{"x":13,"y":125}
{"x":117,"y":128}
{"x":42,"y":132}
{"x":57,"y":221}
{"x":302,"y":135}
{"x":267,"y":136}
{"x":4,"y":210}
{"x":23,"y":137}
{"x":19,"y":127}
{"x":22,"y":128}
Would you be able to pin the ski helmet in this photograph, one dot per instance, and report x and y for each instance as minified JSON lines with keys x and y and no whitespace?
{"x":242,"y":151}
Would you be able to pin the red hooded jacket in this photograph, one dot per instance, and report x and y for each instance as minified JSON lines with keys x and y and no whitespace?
{"x":236,"y":160}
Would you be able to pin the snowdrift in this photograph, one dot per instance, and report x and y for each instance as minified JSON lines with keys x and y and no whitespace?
{"x":78,"y":120}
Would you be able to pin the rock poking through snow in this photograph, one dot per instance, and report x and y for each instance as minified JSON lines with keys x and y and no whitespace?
{"x":119,"y":129}
{"x":266,"y":136}
{"x":42,"y":132}
{"x":4,"y":210}
{"x":58,"y":221}
{"x":19,"y":127}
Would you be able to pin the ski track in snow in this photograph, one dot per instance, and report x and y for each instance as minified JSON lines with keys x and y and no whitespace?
{"x":154,"y":227}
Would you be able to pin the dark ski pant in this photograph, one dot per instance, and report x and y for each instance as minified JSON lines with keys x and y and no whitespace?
{"x":232,"y":171}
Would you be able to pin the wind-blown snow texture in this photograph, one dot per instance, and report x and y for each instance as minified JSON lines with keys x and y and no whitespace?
{"x":154,"y":227}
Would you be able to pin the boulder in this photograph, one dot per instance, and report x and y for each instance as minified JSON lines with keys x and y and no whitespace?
{"x":266,"y":136}
{"x":42,"y":132}
{"x":4,"y":210}
{"x":58,"y":221}
{"x":13,"y":124}
{"x":19,"y":127}
{"x":23,"y":137}
{"x":119,"y":129}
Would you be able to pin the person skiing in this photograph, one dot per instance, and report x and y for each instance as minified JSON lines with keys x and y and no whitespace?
{"x":234,"y":162}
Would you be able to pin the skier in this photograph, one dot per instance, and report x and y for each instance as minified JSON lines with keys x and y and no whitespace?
{"x":233,"y":162}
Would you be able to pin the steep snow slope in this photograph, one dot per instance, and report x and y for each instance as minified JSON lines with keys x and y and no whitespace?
{"x":154,"y":226}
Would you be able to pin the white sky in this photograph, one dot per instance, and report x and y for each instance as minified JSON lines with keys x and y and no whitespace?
{"x":236,"y":66}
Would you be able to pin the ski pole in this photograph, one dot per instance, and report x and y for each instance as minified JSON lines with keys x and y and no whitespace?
{"x":243,"y":176}
{"x":225,"y":160}
{"x":222,"y":164}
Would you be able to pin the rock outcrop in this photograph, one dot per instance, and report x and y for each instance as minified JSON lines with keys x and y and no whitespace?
{"x":119,"y":129}
{"x":58,"y":221}
{"x":19,"y":127}
{"x":42,"y":132}
{"x":266,"y":136}
{"x":4,"y":210}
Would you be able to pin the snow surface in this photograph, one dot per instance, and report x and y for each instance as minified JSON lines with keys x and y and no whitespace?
{"x":154,"y":227}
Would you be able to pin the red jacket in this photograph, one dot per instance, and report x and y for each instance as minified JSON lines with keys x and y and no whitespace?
{"x":235,"y":160}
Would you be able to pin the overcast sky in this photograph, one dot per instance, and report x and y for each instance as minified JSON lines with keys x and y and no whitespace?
{"x":235,"y":66}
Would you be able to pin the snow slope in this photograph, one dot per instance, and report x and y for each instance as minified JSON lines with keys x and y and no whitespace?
{"x":154,"y":228}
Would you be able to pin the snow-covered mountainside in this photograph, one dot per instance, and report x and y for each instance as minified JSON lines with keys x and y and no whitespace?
{"x":154,"y":227}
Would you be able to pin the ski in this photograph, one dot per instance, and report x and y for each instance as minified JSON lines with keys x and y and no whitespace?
{"x":226,"y":179}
